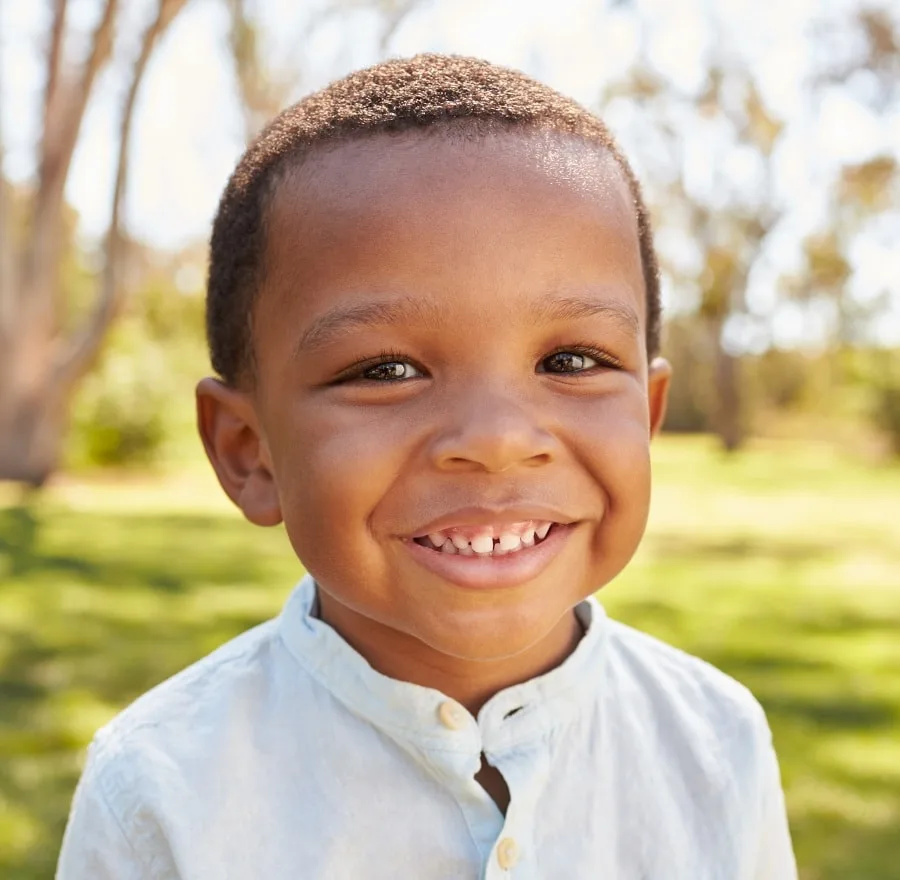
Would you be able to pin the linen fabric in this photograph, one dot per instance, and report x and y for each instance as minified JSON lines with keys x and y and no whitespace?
{"x":283,"y":755}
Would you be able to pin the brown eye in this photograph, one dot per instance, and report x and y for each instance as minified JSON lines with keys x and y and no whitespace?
{"x":567,"y":362}
{"x":391,"y":371}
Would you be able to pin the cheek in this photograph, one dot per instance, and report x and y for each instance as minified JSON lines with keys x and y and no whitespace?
{"x":613,"y":434}
{"x":334,"y":467}
{"x":615,"y":441}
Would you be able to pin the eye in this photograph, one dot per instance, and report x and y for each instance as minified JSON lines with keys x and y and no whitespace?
{"x":567,"y":362}
{"x":390,"y":371}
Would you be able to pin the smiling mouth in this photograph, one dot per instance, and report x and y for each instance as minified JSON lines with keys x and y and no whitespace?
{"x":488,"y":541}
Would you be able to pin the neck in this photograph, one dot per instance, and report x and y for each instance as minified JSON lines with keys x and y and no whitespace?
{"x":470,"y":682}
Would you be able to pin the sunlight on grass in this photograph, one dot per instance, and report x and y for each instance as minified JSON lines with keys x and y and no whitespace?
{"x":780,"y":566}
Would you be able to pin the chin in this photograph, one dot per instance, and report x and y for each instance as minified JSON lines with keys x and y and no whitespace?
{"x":492,"y":636}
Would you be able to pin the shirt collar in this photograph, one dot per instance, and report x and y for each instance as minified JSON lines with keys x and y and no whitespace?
{"x":411,"y":713}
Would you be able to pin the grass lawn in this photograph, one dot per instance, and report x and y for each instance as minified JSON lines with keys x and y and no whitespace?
{"x":782,"y":567}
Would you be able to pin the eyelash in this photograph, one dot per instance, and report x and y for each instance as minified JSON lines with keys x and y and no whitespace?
{"x":355,"y":372}
{"x":605,"y":361}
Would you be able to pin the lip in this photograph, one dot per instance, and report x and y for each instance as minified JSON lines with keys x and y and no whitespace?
{"x":493,"y":572}
{"x":493,"y":516}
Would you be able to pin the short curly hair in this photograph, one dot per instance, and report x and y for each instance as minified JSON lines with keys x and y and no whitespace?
{"x":437,"y":92}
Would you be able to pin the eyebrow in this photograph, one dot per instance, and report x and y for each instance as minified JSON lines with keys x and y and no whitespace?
{"x":342,"y":319}
{"x":581,"y":307}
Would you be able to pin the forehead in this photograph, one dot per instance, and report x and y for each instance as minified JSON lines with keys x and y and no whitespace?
{"x":387,"y":166}
{"x":437,"y":213}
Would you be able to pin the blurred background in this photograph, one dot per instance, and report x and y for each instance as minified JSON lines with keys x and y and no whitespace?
{"x":767,"y":137}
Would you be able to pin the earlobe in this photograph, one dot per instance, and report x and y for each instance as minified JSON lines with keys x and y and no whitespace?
{"x":658,"y":379}
{"x":235,"y":448}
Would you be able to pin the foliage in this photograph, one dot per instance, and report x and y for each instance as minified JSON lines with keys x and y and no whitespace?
{"x":887,"y":413}
{"x":721,"y":123}
{"x":138,"y":402}
{"x":687,"y":348}
{"x":885,"y":386}
{"x":264,"y":86}
{"x":119,"y":415}
{"x":779,"y":566}
{"x":713,"y":154}
{"x":842,"y":393}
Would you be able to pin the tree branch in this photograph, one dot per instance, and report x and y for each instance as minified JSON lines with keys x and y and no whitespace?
{"x":255,"y":93}
{"x":57,"y":146}
{"x":7,"y":281}
{"x":54,"y":62}
{"x":394,"y":17}
{"x":86,"y":344}
{"x":58,"y":150}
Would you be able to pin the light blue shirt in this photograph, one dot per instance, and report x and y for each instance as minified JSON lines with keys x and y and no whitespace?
{"x":285,"y":756}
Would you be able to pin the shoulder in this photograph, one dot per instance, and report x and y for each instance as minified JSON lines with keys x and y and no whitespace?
{"x":685,"y":708}
{"x":673,"y":676}
{"x":182,"y":721}
{"x":692,"y":750}
{"x":219,"y":677}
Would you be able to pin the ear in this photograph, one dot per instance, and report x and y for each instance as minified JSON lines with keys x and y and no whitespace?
{"x":237,"y":450}
{"x":658,"y":379}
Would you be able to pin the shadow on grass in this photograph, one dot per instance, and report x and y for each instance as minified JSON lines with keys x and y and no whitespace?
{"x":159,"y":552}
{"x":847,"y":851}
{"x":676,"y":546}
{"x":18,"y":538}
{"x":842,"y":707}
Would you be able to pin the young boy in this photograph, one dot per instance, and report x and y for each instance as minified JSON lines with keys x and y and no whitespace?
{"x":434,"y":312}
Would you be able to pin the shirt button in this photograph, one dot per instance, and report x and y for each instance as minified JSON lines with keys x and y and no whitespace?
{"x":452,"y":715}
{"x":507,"y":853}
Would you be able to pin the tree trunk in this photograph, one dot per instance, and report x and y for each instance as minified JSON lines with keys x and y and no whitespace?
{"x":729,"y":412}
{"x":39,"y":369}
{"x":33,"y":411}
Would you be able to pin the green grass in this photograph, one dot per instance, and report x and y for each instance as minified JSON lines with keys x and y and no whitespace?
{"x":782,"y":567}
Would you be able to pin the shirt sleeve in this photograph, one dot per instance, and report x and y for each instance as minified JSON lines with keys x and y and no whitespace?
{"x":96,"y":844}
{"x":776,"y":854}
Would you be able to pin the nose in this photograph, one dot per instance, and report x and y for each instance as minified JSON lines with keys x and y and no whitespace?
{"x":492,"y":432}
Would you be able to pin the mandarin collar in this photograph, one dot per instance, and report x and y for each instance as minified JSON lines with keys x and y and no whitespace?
{"x":417,"y":716}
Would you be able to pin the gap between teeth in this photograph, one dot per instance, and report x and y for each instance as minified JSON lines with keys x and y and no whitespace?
{"x":485,"y":545}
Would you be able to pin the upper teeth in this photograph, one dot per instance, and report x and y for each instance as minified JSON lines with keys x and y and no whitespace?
{"x":510,"y":542}
{"x":514,"y":539}
{"x":483,"y":544}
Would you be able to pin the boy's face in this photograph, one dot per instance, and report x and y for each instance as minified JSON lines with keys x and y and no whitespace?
{"x":449,"y":340}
